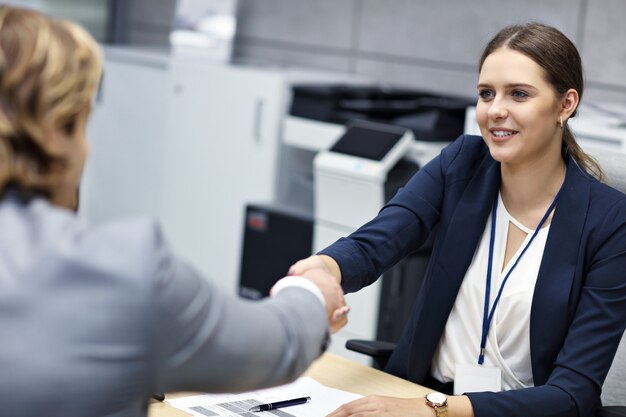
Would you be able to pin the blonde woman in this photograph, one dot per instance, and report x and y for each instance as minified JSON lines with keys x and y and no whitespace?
{"x":95,"y":319}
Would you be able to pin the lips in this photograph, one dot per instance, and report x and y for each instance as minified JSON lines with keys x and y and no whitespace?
{"x":501,"y":135}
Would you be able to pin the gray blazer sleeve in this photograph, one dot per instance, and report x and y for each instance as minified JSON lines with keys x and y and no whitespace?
{"x":209,"y":341}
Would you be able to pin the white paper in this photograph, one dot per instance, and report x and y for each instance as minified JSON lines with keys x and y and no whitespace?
{"x":323,"y":401}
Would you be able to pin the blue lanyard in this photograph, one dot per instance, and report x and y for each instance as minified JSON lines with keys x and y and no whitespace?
{"x":487,"y":314}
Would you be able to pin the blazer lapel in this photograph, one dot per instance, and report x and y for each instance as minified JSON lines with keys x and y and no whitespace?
{"x":452,"y":258}
{"x":557,"y":284}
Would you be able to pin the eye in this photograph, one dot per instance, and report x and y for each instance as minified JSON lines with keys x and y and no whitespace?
{"x":519,"y":94}
{"x":486,"y":94}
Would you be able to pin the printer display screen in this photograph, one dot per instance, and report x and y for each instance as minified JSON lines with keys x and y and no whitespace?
{"x":366,"y":143}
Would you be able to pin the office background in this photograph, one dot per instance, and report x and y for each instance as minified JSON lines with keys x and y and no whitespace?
{"x":198,"y":124}
{"x":429,"y":44}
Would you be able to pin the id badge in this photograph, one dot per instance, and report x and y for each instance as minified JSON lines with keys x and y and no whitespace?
{"x":476,"y":378}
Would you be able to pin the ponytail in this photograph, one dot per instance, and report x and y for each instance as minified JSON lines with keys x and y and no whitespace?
{"x":572,"y":148}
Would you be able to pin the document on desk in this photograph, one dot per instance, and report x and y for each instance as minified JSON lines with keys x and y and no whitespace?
{"x":323,"y":400}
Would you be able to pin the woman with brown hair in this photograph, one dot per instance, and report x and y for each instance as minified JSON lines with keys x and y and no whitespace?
{"x":523,"y":303}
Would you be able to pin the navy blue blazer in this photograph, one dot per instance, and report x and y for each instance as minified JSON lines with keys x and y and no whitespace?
{"x":578,"y":311}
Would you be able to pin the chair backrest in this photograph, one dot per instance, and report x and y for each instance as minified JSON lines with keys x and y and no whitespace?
{"x":614,"y":166}
{"x":614,"y":388}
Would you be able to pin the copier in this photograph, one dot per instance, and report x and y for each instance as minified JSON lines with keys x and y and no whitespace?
{"x":350,"y":177}
{"x":358,"y":145}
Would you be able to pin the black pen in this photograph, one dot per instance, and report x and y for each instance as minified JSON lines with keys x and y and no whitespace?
{"x":280,"y":404}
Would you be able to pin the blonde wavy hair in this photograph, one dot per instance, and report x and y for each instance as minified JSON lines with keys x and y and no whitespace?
{"x":49,"y":72}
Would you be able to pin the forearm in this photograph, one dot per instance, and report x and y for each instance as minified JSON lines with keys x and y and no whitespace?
{"x":460,"y":406}
{"x":238,"y":345}
{"x":211,"y":341}
{"x":375,"y":405}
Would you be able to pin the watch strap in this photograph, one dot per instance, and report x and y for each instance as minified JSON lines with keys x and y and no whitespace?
{"x":442,"y":411}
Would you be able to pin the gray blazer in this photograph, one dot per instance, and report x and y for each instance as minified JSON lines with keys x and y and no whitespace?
{"x":95,"y":319}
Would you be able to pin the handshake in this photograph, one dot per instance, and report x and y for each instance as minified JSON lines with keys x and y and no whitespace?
{"x":324,"y":272}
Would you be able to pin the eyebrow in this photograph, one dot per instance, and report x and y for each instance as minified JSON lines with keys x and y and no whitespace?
{"x":510,"y":86}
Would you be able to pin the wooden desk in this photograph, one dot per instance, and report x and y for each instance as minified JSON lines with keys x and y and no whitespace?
{"x":336,"y":372}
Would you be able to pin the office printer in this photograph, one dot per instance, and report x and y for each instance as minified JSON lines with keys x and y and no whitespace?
{"x":318,"y":114}
{"x":431,"y":117}
{"x":348,"y":148}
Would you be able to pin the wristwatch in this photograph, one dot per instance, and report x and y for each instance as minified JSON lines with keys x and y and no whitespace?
{"x":439,"y":402}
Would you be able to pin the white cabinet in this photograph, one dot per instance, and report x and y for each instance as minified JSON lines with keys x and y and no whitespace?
{"x":123,"y":172}
{"x":221,"y":152}
{"x":187,"y":144}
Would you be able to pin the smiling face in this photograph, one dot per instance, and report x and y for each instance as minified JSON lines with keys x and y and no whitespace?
{"x":517,"y":110}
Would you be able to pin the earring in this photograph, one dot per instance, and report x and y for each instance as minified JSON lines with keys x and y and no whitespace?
{"x":561,"y":121}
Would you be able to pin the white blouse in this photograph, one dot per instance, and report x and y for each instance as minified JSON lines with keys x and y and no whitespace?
{"x":508,"y":342}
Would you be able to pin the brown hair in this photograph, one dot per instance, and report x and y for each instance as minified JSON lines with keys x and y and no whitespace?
{"x":49,"y":71}
{"x":559,"y":58}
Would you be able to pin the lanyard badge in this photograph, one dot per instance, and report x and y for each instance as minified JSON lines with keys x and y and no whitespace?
{"x":489,"y":313}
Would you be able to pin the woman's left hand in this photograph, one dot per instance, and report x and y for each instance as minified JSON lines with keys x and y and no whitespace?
{"x":379,"y":406}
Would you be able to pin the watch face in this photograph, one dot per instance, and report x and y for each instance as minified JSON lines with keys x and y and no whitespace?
{"x":436,"y":398}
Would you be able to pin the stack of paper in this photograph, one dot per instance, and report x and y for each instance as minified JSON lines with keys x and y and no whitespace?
{"x":323,"y":401}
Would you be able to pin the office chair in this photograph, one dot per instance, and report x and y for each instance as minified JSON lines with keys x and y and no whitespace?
{"x":614,"y":387}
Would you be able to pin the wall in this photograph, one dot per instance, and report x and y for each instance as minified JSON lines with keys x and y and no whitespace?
{"x":92,"y":14}
{"x":428,"y":44}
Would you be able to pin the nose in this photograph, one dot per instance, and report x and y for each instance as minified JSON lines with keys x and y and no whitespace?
{"x":497,"y":109}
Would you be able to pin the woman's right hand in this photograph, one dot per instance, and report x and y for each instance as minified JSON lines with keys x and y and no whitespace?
{"x":303,"y":265}
{"x":324,"y":262}
{"x":336,"y":307}
{"x":337,"y":319}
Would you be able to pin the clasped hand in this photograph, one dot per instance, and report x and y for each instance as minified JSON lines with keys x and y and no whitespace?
{"x":315,"y":269}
